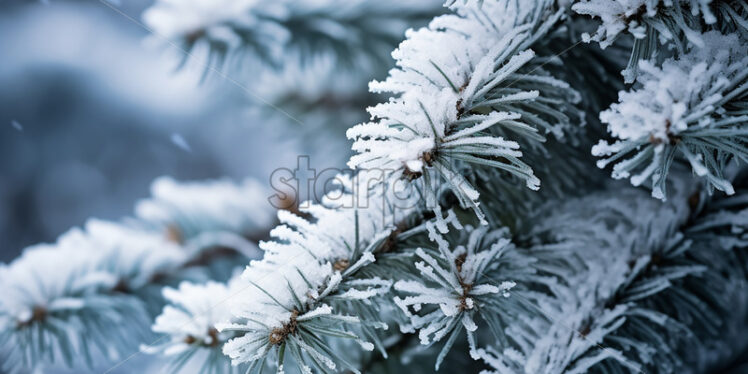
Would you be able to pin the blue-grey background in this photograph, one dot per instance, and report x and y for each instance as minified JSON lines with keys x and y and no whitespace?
{"x":90,"y":114}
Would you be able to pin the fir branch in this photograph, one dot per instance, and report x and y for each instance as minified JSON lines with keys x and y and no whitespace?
{"x":653,"y":22}
{"x":642,"y":300}
{"x":311,"y":287}
{"x":610,"y":282}
{"x":189,"y":321}
{"x":459,"y":106}
{"x":355,"y":32}
{"x":89,"y":298}
{"x":208,"y":214}
{"x":696,"y":327}
{"x":702,"y":122}
{"x":454,"y":289}
{"x":83,"y":300}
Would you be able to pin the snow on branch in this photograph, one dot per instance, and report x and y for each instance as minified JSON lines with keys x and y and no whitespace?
{"x":468,"y":91}
{"x":690,"y":108}
{"x":634,"y":16}
{"x":273,"y":30}
{"x":108,"y":276}
{"x":724,"y":223}
{"x":453,"y":288}
{"x":641,"y":299}
{"x":203,"y":214}
{"x":189,"y":323}
{"x":660,"y":21}
{"x":307,"y":284}
{"x":606,"y":243}
{"x":84,"y":299}
{"x":613,"y":281}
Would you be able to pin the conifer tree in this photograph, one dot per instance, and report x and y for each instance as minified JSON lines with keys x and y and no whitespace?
{"x":483,"y":234}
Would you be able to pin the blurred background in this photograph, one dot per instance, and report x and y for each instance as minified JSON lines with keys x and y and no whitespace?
{"x":91,"y":112}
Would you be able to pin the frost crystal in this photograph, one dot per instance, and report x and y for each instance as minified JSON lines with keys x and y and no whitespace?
{"x":86,"y":281}
{"x":305,"y":273}
{"x":455,"y":284}
{"x":352,"y":31}
{"x":465,"y":85}
{"x":684,"y":108}
{"x":191,"y":315}
{"x":192,"y":20}
{"x":135,"y":257}
{"x":204,"y":214}
{"x":609,"y":245}
{"x":634,"y":16}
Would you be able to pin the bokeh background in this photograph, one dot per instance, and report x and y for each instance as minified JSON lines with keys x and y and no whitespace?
{"x":91,"y":112}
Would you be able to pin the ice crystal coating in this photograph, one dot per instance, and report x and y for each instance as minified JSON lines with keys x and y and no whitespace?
{"x":661,"y":26}
{"x":315,"y":259}
{"x":612,"y":255}
{"x":355,"y":32}
{"x":465,"y":86}
{"x":195,"y":19}
{"x":203,"y":214}
{"x":454,"y":288}
{"x":191,"y":316}
{"x":601,"y":278}
{"x":87,"y":280}
{"x":134,"y":256}
{"x":690,"y":108}
{"x":635,"y":16}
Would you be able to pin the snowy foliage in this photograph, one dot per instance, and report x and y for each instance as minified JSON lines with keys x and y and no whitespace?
{"x":52,"y":303}
{"x":724,"y":228}
{"x":666,"y":22}
{"x":454,"y":288}
{"x":189,"y":323}
{"x":436,"y":231}
{"x":691,"y":107}
{"x":134,"y":257}
{"x":288,"y":315}
{"x":634,"y":16}
{"x":79,"y":293}
{"x":193,"y":314}
{"x":632,"y":303}
{"x":468,"y":87}
{"x":309,"y":269}
{"x":274,"y":30}
{"x":205,"y":214}
{"x":276,"y":312}
{"x":111,"y":274}
{"x":611,"y":245}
